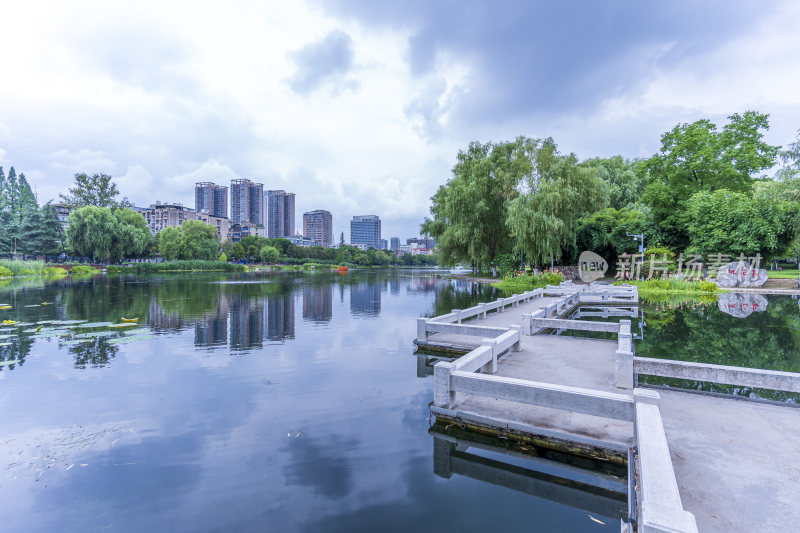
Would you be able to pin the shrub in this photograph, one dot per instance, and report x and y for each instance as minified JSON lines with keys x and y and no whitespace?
{"x":658,"y":251}
{"x":5,"y":272}
{"x":83,"y":270}
{"x":53,"y":271}
{"x":527,"y":282}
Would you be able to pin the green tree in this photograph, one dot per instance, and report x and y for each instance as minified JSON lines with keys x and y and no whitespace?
{"x":132,"y":236}
{"x":544,"y":221}
{"x":91,"y":232}
{"x":98,"y":190}
{"x":624,"y":183}
{"x":791,"y":161}
{"x":730,"y":222}
{"x":269,"y":254}
{"x":605,"y":232}
{"x":698,"y":157}
{"x":169,"y":243}
{"x":198,"y":240}
{"x":470,"y":210}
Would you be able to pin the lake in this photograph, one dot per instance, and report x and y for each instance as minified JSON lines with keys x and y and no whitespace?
{"x":238,"y":402}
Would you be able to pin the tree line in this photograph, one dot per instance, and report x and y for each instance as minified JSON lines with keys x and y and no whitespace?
{"x":105,"y":229}
{"x":702,"y":193}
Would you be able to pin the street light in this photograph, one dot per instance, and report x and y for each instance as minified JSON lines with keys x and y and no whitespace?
{"x":636,"y":237}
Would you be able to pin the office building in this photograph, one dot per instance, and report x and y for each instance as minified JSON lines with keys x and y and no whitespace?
{"x":247,"y":204}
{"x":318,"y":226}
{"x":366,"y":230}
{"x":280,"y":214}
{"x":395,"y":244}
{"x":384,"y":244}
{"x":211,"y":198}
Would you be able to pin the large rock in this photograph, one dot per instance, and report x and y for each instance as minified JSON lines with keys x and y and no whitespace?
{"x":591,"y":267}
{"x":753,"y":277}
{"x":741,"y":305}
{"x":730,"y":275}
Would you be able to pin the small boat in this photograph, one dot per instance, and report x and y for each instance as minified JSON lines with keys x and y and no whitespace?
{"x":342,"y":269}
{"x":130,"y":319}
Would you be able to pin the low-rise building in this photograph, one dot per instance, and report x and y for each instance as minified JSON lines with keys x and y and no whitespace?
{"x":221,"y":224}
{"x":160,"y":216}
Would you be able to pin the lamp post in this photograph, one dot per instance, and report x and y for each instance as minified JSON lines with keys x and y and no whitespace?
{"x":637,"y":237}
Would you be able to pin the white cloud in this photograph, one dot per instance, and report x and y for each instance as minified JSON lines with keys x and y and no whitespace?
{"x":163,"y":95}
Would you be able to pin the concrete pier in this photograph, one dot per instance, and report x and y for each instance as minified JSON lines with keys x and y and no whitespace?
{"x":698,"y":462}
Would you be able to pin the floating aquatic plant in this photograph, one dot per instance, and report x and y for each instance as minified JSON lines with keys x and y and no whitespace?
{"x":130,"y":339}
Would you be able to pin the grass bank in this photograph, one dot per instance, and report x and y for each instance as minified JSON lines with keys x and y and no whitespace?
{"x":14,"y":267}
{"x":652,"y":288}
{"x":783,"y":274}
{"x":175,"y":266}
{"x":528,"y":282}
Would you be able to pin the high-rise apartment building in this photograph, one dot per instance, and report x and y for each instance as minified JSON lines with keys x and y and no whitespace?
{"x":384,"y":244}
{"x":247,"y":203}
{"x":318,"y":226}
{"x":280,"y":214}
{"x":395,"y":244}
{"x":366,"y":230}
{"x":211,"y":198}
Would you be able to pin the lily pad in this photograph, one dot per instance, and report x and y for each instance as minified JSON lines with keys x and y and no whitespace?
{"x":132,"y":338}
{"x":137,"y":331}
{"x":90,"y":325}
{"x":96,"y":334}
{"x":76,"y":342}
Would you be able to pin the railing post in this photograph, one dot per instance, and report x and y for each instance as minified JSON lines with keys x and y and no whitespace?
{"x":526,"y":325}
{"x":623,"y":358}
{"x":491,"y":366}
{"x":483,"y":311}
{"x":514,"y":300}
{"x":422,"y":329}
{"x":502,"y":308}
{"x":517,"y":346}
{"x":457,"y":312}
{"x":443,"y":396}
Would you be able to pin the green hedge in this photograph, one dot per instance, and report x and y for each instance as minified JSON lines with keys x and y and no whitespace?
{"x":176,"y":266}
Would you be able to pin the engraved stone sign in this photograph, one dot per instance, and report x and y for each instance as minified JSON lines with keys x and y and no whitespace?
{"x":591,"y":267}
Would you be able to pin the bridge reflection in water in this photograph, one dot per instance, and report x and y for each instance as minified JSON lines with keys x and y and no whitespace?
{"x":597,"y":487}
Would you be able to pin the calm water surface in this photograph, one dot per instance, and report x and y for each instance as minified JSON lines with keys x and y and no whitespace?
{"x":281,"y":403}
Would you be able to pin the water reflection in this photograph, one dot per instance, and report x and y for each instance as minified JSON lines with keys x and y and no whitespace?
{"x":365,"y":299}
{"x":318,"y":302}
{"x":595,"y":487}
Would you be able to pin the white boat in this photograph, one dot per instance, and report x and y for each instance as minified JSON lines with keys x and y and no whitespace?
{"x":458,"y":269}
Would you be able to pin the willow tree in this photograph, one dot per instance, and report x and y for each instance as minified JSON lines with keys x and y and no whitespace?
{"x":471,"y":209}
{"x":557,"y":193}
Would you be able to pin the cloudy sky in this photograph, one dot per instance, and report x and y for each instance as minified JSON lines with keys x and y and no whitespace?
{"x":360,"y":107}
